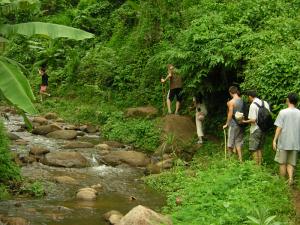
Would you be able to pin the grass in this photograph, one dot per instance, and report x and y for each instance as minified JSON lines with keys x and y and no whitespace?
{"x":217,"y":191}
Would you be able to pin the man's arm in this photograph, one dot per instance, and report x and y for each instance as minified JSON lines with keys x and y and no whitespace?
{"x":168,"y":77}
{"x":277,"y":133}
{"x":229,"y":113}
{"x":251,"y":116}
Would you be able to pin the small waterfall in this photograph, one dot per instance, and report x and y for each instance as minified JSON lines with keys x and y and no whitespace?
{"x":93,"y":160}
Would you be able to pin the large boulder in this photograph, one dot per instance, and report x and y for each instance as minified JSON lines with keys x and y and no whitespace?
{"x":63,"y":134}
{"x":40,"y":120}
{"x":51,"y":116}
{"x":38,"y":150}
{"x":141,"y":215}
{"x":131,"y":158}
{"x":146,"y":111}
{"x":45,"y":129}
{"x":87,"y":194}
{"x":113,"y":217}
{"x":12,"y":136}
{"x":182,"y":127}
{"x":78,"y":144}
{"x":65,"y":180}
{"x":65,"y":159}
{"x":14,"y":221}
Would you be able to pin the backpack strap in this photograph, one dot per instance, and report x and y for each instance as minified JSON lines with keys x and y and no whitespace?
{"x":259,"y":106}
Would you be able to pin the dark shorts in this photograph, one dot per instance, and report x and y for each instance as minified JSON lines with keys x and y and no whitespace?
{"x":257,"y":140}
{"x":177,"y":92}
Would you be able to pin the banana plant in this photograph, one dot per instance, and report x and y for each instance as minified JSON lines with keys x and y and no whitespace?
{"x":14,"y":85}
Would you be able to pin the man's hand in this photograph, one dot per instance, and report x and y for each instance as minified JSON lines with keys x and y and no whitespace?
{"x":162,"y":80}
{"x":225,"y":126}
{"x":274,"y":145}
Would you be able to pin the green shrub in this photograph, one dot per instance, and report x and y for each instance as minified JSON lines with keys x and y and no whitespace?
{"x":35,"y":189}
{"x":218,"y":191}
{"x":9,"y":171}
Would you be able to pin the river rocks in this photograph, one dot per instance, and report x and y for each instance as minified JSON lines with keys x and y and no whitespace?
{"x":147,"y":111}
{"x":141,"y":215}
{"x":87,"y":194}
{"x":155,"y":168}
{"x":21,"y":142}
{"x":103,"y":147}
{"x":113,"y":217}
{"x":63,"y":134}
{"x":114,"y":144}
{"x":45,"y":129}
{"x":165,"y":164}
{"x":89,"y":128}
{"x":78,"y":144}
{"x":40,"y":120}
{"x":131,"y":158}
{"x":65,"y":159}
{"x":65,"y":180}
{"x":14,"y":221}
{"x":38,"y":150}
{"x":97,"y":187}
{"x":51,"y":116}
{"x":12,"y":136}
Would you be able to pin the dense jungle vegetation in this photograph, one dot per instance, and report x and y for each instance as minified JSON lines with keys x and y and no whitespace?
{"x":212,"y":43}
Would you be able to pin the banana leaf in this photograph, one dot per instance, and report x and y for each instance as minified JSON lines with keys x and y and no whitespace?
{"x":15,"y":87}
{"x":45,"y":29}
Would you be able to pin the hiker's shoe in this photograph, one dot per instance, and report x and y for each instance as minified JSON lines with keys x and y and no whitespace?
{"x":199,"y":142}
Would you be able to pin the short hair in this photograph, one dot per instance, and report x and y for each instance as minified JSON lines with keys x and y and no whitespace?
{"x":251,"y":93}
{"x":293,"y":98}
{"x":234,"y":90}
{"x":169,"y":65}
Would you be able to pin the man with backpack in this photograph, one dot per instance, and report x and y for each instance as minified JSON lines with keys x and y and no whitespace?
{"x":235,"y":131}
{"x":286,"y":141}
{"x":261,"y":120}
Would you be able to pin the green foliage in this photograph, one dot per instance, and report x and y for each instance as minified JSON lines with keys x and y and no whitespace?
{"x":9,"y":171}
{"x":262,"y":218}
{"x":141,"y":133}
{"x":35,"y":189}
{"x":222,"y":192}
{"x":3,"y":192}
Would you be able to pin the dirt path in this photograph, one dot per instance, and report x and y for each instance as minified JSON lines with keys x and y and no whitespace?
{"x":296,"y":198}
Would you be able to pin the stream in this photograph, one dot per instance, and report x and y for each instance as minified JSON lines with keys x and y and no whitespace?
{"x":59,"y":205}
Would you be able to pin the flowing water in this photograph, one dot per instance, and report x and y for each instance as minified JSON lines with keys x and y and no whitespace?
{"x":60,"y":205}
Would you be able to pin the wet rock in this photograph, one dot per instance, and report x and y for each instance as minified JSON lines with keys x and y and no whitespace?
{"x":40,"y":120}
{"x":14,"y":221}
{"x":103,"y":147}
{"x":83,"y":128}
{"x":114,"y":144}
{"x":80,"y":133}
{"x":63,"y":134}
{"x":97,"y":187}
{"x":59,"y":120}
{"x":45,"y":129}
{"x":38,"y":150}
{"x":51,"y":116}
{"x":113,"y":217}
{"x":165,"y":164}
{"x":91,"y":129}
{"x":70,"y":127}
{"x":21,"y":129}
{"x":27,"y":159}
{"x":87,"y":194}
{"x":65,"y":180}
{"x":131,"y":158}
{"x":141,"y":215}
{"x":78,"y":144}
{"x":147,"y":111}
{"x":65,"y":159}
{"x":21,"y":142}
{"x":12,"y":136}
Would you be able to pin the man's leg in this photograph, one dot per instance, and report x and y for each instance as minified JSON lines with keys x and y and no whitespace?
{"x":169,"y":105}
{"x":282,"y":170}
{"x":239,"y":152}
{"x":259,"y":157}
{"x":177,"y":107}
{"x":199,"y":129}
{"x":290,"y":171}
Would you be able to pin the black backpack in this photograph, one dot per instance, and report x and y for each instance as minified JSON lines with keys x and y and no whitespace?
{"x":264,"y":118}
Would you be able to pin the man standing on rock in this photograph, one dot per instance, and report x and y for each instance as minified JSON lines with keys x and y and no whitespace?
{"x":286,"y":141}
{"x":235,"y":132}
{"x":175,"y":88}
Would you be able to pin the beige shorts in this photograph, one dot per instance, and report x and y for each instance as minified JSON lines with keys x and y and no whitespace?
{"x":235,"y":137}
{"x":286,"y":157}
